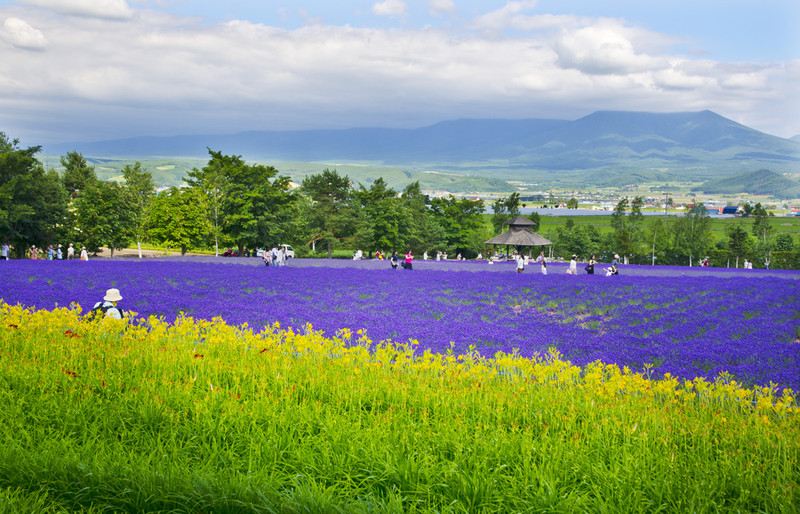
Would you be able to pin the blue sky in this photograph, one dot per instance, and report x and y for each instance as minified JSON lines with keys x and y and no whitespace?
{"x":76,"y":70}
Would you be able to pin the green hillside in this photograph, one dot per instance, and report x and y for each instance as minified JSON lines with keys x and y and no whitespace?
{"x":760,"y":182}
{"x":171,"y":172}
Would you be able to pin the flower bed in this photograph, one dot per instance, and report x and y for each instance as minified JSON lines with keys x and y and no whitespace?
{"x":687,"y":325}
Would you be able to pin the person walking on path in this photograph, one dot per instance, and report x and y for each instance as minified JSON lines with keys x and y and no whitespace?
{"x":59,"y":254}
{"x":108,"y":307}
{"x":84,"y":254}
{"x":70,"y":252}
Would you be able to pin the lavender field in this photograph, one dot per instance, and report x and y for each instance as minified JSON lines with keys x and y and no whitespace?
{"x":671,"y":320}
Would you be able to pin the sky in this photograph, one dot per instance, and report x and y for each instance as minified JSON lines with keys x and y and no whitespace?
{"x":88,"y":70}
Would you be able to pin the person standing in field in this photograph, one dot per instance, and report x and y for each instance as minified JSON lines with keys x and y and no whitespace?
{"x":544,"y":264}
{"x":84,"y":254}
{"x":407,"y":264}
{"x":573,"y":266}
{"x":70,"y":252}
{"x":4,"y":252}
{"x":394,"y":259}
{"x":59,"y":254}
{"x":33,"y":252}
{"x":590,"y":265}
{"x":520,"y":263}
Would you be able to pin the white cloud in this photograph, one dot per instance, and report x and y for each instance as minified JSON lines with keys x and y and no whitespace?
{"x":508,"y":16}
{"x":107,"y":9}
{"x":602,"y":49}
{"x":389,"y":8}
{"x":20,"y":34}
{"x":441,"y":7}
{"x":157,"y":74}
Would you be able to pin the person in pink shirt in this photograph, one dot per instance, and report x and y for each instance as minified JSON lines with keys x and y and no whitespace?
{"x":409,"y":258}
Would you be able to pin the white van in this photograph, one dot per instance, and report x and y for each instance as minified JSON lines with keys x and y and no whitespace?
{"x":289,"y":251}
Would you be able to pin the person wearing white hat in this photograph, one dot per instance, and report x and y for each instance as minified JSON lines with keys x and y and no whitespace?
{"x":108,"y":307}
{"x":614,"y":269}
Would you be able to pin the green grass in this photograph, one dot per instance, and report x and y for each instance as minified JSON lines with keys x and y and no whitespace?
{"x":201,"y":417}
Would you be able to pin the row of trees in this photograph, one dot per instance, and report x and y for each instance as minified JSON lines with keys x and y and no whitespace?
{"x":684,"y":239}
{"x":226,"y":203}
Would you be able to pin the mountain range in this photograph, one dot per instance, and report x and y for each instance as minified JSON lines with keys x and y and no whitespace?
{"x":604,"y":148}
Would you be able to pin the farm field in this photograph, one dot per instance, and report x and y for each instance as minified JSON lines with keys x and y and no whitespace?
{"x":490,"y":397}
{"x":688,"y":322}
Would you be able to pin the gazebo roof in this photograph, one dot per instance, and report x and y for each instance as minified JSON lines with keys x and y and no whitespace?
{"x":523,"y":237}
{"x":519,"y":234}
{"x":520,"y":221}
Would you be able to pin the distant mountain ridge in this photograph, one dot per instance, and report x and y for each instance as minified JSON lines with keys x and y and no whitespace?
{"x":610,"y":145}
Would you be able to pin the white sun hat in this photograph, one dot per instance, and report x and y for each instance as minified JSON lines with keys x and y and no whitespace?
{"x":112,"y":295}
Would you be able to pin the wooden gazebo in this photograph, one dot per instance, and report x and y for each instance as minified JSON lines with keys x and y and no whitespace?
{"x":519,"y":233}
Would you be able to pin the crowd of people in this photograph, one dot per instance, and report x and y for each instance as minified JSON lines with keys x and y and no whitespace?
{"x":274,"y":257}
{"x":51,"y":253}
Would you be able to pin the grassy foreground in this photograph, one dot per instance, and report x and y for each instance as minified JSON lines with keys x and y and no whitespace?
{"x":201,"y":416}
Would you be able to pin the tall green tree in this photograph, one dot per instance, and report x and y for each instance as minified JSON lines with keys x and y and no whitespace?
{"x":249,"y":204}
{"x":212,"y":181}
{"x":381,"y":215}
{"x":784,"y":243}
{"x":737,"y":241}
{"x":762,"y":230}
{"x":140,"y":186}
{"x":618,"y":216}
{"x":419,"y":230}
{"x":658,"y":238}
{"x":105,"y":216}
{"x":505,"y":209}
{"x":462,"y":222}
{"x":627,"y":232}
{"x":78,"y":175}
{"x":33,"y":202}
{"x":332,"y":214}
{"x":178,"y":217}
{"x":572,"y":239}
{"x":693,"y":232}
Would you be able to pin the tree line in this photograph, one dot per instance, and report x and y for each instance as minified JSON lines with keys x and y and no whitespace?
{"x":232,"y":204}
{"x":227,"y":203}
{"x":682,"y":240}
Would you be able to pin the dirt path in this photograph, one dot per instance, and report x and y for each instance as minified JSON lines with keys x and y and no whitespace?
{"x":132,"y":253}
